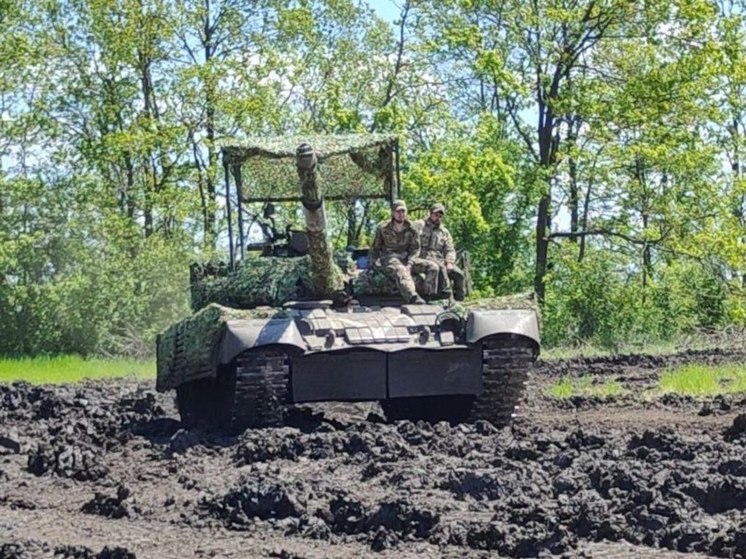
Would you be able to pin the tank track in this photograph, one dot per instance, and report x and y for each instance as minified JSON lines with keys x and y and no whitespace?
{"x":262,"y":385}
{"x":250,"y":392}
{"x":506,"y":363}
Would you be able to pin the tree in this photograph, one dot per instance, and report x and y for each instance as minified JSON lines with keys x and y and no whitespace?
{"x":530,"y":64}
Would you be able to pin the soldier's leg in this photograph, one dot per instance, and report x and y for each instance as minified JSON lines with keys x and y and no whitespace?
{"x":417,"y":267}
{"x":457,"y":282}
{"x":397,"y":270}
{"x":432,"y":276}
{"x":444,"y":281}
{"x":431,"y":272}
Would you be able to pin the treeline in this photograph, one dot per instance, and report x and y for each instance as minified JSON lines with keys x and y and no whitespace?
{"x":589,"y":150}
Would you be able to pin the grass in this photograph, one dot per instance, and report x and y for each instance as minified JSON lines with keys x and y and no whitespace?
{"x":686,"y":380}
{"x":65,"y":369}
{"x":584,"y":386}
{"x":703,"y":380}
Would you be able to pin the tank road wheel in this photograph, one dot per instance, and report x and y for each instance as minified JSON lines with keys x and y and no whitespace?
{"x":506,"y":362}
{"x":250,"y":392}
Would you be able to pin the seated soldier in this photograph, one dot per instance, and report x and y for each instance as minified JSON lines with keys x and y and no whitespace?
{"x":396,"y":248}
{"x":436,"y":245}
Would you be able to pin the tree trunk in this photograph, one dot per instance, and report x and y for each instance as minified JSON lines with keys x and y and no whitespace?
{"x":211,"y":172}
{"x":547,"y":156}
{"x":574,"y":201}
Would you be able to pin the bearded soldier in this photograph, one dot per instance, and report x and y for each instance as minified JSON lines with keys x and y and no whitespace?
{"x":436,"y":245}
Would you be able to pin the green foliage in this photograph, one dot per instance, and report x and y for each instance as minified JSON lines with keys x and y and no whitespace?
{"x":487,"y":210}
{"x":562,"y":389}
{"x":585,"y":301}
{"x":70,"y":368}
{"x":602,"y":301}
{"x":80,"y":280}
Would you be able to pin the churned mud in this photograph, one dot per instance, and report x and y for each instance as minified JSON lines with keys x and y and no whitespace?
{"x":104,"y":470}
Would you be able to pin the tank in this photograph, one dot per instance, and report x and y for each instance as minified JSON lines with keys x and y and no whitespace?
{"x":287,"y":321}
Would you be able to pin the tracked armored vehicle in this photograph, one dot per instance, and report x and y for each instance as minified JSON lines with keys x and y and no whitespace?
{"x":284,"y":321}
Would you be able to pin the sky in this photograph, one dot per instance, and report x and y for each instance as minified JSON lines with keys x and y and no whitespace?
{"x":387,"y":9}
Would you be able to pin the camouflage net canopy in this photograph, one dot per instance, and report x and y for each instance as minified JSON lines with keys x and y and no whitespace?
{"x":265,"y":281}
{"x":349,"y":166}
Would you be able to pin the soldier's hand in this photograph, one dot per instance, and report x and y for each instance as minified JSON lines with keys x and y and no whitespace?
{"x":449,"y":267}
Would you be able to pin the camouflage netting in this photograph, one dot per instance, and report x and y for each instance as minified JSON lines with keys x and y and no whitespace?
{"x":349,"y":166}
{"x":374,"y":282}
{"x":265,"y":281}
{"x":189,"y":349}
{"x":526,"y":300}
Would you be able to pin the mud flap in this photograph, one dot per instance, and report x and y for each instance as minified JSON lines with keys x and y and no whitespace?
{"x":435,"y":373}
{"x":353,"y":376}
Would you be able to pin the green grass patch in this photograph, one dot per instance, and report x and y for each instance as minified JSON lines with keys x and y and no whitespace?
{"x":64,"y":369}
{"x":567,"y":387}
{"x":703,"y":380}
{"x":562,"y":389}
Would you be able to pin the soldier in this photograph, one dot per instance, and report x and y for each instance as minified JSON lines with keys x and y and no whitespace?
{"x":397,"y":245}
{"x":436,"y":245}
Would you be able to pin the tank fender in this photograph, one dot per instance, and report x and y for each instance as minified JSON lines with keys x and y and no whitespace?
{"x":244,"y":334}
{"x":483,"y":323}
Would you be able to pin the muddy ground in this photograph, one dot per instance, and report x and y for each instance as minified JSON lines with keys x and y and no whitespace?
{"x":104,"y":470}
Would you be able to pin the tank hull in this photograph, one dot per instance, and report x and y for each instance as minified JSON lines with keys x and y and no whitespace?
{"x":404,"y":355}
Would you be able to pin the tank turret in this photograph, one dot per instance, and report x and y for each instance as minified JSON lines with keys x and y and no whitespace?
{"x":323,"y":277}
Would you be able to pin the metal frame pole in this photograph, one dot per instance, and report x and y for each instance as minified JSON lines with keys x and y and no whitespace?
{"x":226,"y":172}
{"x":396,"y":165}
{"x":239,"y":202}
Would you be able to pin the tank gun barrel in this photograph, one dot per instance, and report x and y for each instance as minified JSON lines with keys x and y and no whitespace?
{"x":322,"y":267}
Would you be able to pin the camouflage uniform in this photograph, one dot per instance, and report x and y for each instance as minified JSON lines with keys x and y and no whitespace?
{"x":436,"y":245}
{"x":398,"y":252}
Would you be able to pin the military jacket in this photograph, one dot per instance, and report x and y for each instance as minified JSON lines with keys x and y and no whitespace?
{"x":436,"y":242}
{"x":404,"y":244}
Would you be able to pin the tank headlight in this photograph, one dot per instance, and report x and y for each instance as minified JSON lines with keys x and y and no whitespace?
{"x":329,"y":339}
{"x":424,"y":335}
